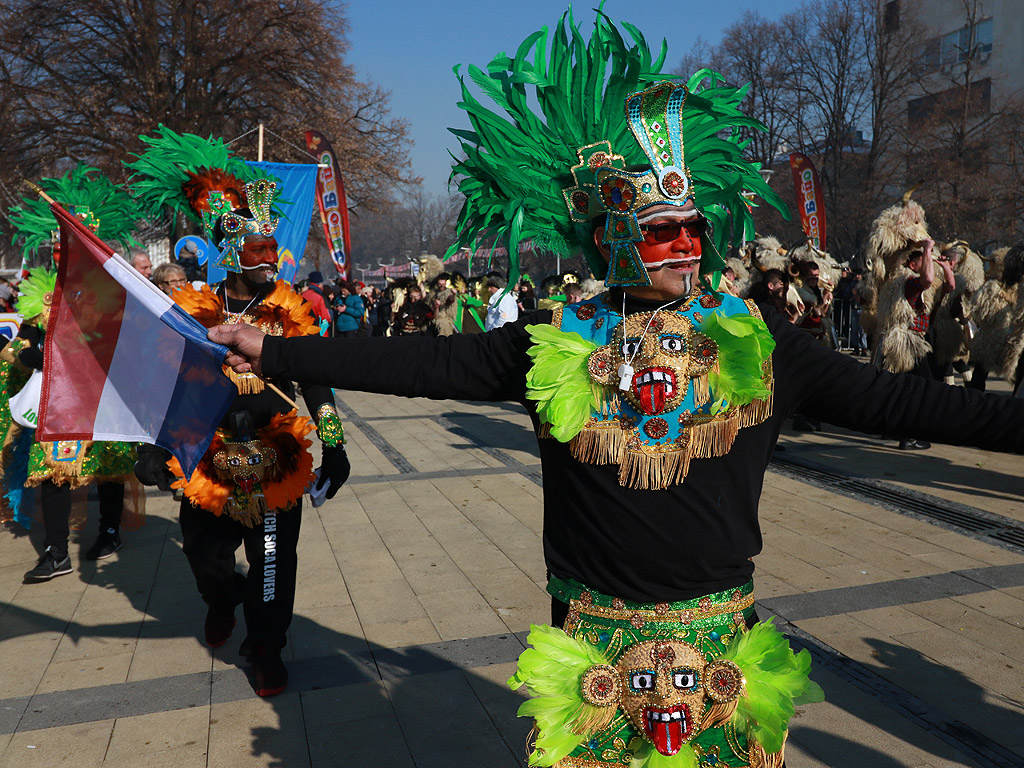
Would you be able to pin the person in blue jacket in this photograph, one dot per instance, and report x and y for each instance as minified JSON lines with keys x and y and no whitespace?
{"x":348,"y":309}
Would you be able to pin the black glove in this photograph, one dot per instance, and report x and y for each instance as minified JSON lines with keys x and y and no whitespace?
{"x":31,"y":356}
{"x":151,"y":467}
{"x":334,"y":466}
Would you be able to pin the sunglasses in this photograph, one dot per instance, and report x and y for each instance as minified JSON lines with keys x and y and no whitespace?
{"x":669,"y":231}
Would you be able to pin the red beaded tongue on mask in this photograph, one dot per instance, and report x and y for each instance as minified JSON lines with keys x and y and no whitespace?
{"x":652,"y":397}
{"x":667,"y":728}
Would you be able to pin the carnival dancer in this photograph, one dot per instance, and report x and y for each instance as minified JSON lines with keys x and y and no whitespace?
{"x":247,"y":489}
{"x":56,"y":468}
{"x":657,"y":403}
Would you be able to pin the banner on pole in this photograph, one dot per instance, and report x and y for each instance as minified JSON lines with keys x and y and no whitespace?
{"x":298,"y":187}
{"x":330,"y":197}
{"x":810,"y":198}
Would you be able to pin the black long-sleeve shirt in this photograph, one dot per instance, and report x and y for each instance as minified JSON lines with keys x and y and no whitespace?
{"x":690,"y":539}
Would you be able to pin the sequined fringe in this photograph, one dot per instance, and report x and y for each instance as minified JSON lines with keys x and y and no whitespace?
{"x":598,"y":446}
{"x":653,"y":472}
{"x":246,"y":383}
{"x":701,"y":391}
{"x":251,"y":515}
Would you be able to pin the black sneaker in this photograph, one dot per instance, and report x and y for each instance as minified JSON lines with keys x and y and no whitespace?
{"x":50,"y":564}
{"x":271,"y":673}
{"x":107,"y":543}
{"x":220,"y":621}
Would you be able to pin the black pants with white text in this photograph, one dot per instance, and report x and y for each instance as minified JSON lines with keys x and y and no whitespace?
{"x":267,"y":594}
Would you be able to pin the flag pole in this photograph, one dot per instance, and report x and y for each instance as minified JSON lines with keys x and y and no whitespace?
{"x":39,"y":191}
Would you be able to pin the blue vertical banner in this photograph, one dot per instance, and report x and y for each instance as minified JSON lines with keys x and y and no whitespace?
{"x":298,"y":186}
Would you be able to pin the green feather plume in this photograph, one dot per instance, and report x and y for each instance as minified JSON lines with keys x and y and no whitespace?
{"x":744,"y":343}
{"x":517,"y":162}
{"x":559,"y":381}
{"x":776,"y":680}
{"x":84,"y":187}
{"x":162,"y":170}
{"x":551,"y":670}
{"x":31,"y":290}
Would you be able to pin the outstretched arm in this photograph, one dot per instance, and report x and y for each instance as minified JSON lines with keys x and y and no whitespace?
{"x":833,"y":387}
{"x":489,"y":366}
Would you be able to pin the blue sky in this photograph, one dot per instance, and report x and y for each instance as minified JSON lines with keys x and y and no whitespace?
{"x":410,"y":46}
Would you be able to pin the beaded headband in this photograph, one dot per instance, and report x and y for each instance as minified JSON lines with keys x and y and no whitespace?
{"x":604,"y":186}
{"x":260,"y":196}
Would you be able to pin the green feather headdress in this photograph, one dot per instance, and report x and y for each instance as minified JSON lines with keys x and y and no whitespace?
{"x":89,"y":194}
{"x":518,"y":163}
{"x":172,"y":160}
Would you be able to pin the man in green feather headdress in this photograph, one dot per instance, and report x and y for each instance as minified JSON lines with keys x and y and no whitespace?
{"x":58,"y":467}
{"x":657,"y":403}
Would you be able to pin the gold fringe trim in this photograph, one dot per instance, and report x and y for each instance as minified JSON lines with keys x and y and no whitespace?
{"x":603,"y":445}
{"x":701,"y":391}
{"x":253,"y":513}
{"x":246,"y":383}
{"x":644,"y":471}
{"x":714,"y":438}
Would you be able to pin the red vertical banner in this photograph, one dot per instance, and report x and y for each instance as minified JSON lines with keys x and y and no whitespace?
{"x":330,"y":199}
{"x":810,"y":198}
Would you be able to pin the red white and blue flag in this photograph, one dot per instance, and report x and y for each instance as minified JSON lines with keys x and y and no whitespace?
{"x":122,"y":362}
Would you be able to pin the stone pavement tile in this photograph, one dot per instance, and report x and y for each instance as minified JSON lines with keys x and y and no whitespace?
{"x":990,"y":714}
{"x":514,"y":596}
{"x":844,"y":633}
{"x":433,"y":573}
{"x":953,"y":561}
{"x":258,"y":733}
{"x":385,"y":600}
{"x":990,"y":669}
{"x":801,"y":574}
{"x":82,"y":745}
{"x":477,"y":554}
{"x":346,"y":704}
{"x":768,"y":585}
{"x":160,"y":642}
{"x":32,"y":654}
{"x":86,"y":672}
{"x":326,"y":631}
{"x":996,"y":632}
{"x":851,"y":729}
{"x":989,"y":554}
{"x":375,"y":741}
{"x":82,"y":644}
{"x":490,"y":684}
{"x":461,"y":613}
{"x":173,"y":739}
{"x":401,"y":632}
{"x":445,"y":724}
{"x":859,"y":574}
{"x":893,"y":620}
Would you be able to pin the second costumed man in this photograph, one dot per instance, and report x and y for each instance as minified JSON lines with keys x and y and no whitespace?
{"x":247,"y":489}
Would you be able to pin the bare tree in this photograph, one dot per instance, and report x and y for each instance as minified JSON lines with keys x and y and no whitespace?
{"x":962,"y":138}
{"x":82,"y":80}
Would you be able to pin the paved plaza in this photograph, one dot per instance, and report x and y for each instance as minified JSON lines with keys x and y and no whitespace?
{"x":902,"y":572}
